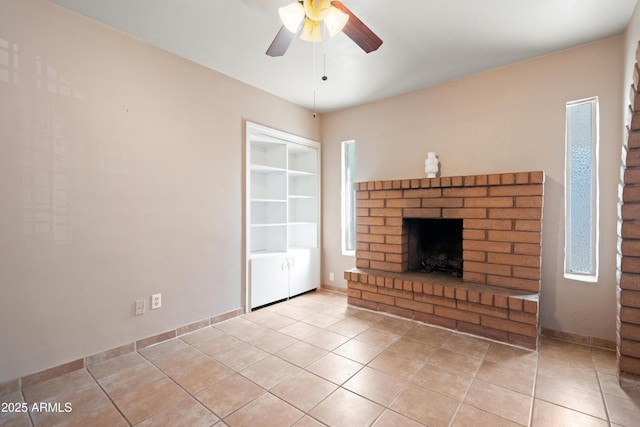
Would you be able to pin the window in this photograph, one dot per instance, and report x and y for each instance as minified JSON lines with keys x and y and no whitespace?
{"x":581,"y":190}
{"x":348,"y":198}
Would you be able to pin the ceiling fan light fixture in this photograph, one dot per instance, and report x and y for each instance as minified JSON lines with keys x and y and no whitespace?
{"x":335,"y":20}
{"x":316,"y":10}
{"x":311,"y":31}
{"x":291,"y":16}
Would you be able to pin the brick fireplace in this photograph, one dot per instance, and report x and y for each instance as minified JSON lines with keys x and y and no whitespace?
{"x":501,"y":224}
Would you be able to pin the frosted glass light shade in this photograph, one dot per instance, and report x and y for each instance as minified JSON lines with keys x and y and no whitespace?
{"x":311,"y":31}
{"x":291,"y":16}
{"x":335,"y":20}
{"x":316,"y":9}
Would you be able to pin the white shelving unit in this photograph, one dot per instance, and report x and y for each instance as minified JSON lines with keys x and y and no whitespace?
{"x":283,"y":215}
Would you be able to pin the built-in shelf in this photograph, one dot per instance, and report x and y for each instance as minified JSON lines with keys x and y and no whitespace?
{"x":283,"y":215}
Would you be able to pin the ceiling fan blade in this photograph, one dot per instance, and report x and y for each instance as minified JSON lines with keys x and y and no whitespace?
{"x":357,"y":31}
{"x":281,"y":43}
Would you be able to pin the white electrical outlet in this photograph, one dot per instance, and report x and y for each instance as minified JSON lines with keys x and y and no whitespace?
{"x":139,"y":307}
{"x":331,"y":278}
{"x":156,"y":301}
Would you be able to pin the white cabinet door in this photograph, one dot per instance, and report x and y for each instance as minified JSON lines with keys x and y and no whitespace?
{"x":269,"y":279}
{"x":304,"y":272}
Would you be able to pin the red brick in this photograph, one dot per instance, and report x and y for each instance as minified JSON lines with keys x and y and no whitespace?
{"x":461,"y":294}
{"x":397,"y":311}
{"x":435,"y":320}
{"x":456,"y":181}
{"x":365,"y":220}
{"x":494,"y":179}
{"x":445,"y":181}
{"x":509,"y":326}
{"x":469,"y":276}
{"x":473,"y":234}
{"x":465,"y":192}
{"x":388,"y":282}
{"x":422,"y":193}
{"x":380,"y":281}
{"x":397,"y":240}
{"x":438,"y":290}
{"x":362,"y":303}
{"x":464,"y":213}
{"x":522,"y":178}
{"x":629,"y":365}
{"x":486,"y":298}
{"x":629,"y":348}
{"x":362,"y":229}
{"x":396,"y":293}
{"x":630,"y":264}
{"x":482,"y":180}
{"x":527,"y":249}
{"x":387,"y":266}
{"x":484,"y":246}
{"x":515,"y":303}
{"x":486,"y":268}
{"x":630,"y":332}
{"x":483,"y":331}
{"x":385,"y":299}
{"x":530,"y":306}
{"x":361,"y":263}
{"x":456,"y":314}
{"x":422,"y":213}
{"x":508,"y":259}
{"x":469,"y":181}
{"x":362,"y":195}
{"x":450,"y":292}
{"x":514,"y":236}
{"x":507,"y":178}
{"x":517,"y":190}
{"x":377,"y":256}
{"x":390,"y":230}
{"x":630,"y":230}
{"x":630,"y":247}
{"x":361,"y":246}
{"x":417,"y":287}
{"x":515,"y":213}
{"x":407,"y":285}
{"x":527,"y":225}
{"x":386,"y":194}
{"x":630,"y":298}
{"x":488,"y":202}
{"x":529,"y":202}
{"x":415,"y":183}
{"x":629,"y":315}
{"x":385,"y":212}
{"x":526,"y":273}
{"x":414,"y":306}
{"x":523,"y":341}
{"x":355,"y":293}
{"x":393,"y":221}
{"x":394,"y":249}
{"x":488,"y":224}
{"x":500,"y":313}
{"x":536,"y":177}
{"x":397,"y":283}
{"x":474,"y":256}
{"x":368,"y":203}
{"x":377,"y":185}
{"x":435,"y":300}
{"x":404,"y":203}
{"x":442,"y":203}
{"x":396,"y":258}
{"x":501,"y":301}
{"x":370,"y":238}
{"x":473,"y":296}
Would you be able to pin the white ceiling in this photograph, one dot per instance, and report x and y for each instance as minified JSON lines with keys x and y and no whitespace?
{"x":426,"y":42}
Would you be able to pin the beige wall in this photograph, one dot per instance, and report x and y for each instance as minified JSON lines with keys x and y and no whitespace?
{"x":120,"y":176}
{"x":505,"y":120}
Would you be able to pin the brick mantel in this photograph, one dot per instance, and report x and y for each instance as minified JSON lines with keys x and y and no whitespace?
{"x":502,"y":225}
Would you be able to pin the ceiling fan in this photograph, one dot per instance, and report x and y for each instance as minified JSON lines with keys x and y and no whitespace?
{"x":304,"y":18}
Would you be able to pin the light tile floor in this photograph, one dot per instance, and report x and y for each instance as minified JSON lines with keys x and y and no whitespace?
{"x":315,"y":361}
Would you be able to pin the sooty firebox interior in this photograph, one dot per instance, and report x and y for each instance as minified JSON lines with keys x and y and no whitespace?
{"x":435,"y":245}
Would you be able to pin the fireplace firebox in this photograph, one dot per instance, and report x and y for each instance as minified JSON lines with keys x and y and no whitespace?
{"x":435,"y":245}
